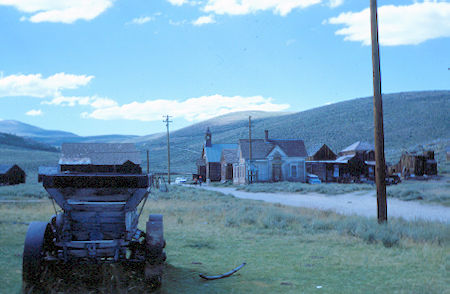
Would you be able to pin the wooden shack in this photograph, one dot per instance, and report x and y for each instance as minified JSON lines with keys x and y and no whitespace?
{"x":100,"y":157}
{"x":11,"y":175}
{"x":321,"y":152}
{"x":320,"y":162}
{"x":412,"y":164}
{"x":46,"y":171}
{"x":228,"y":158}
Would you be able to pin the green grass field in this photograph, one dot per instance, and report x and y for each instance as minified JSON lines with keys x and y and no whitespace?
{"x":287,"y":250}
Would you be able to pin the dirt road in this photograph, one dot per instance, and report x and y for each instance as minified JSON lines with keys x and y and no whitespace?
{"x":357,"y":203}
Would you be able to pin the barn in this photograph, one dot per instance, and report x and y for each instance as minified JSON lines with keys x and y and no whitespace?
{"x":11,"y":175}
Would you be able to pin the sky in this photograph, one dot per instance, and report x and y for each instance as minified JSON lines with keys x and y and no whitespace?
{"x":97,"y":67}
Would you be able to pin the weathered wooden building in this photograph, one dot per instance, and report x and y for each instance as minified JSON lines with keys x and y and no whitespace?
{"x":100,"y":157}
{"x":354,"y":163}
{"x":46,"y":171}
{"x":11,"y":174}
{"x":272,"y":160}
{"x":320,"y":162}
{"x":412,"y":164}
{"x":321,"y":152}
{"x":229,"y":157}
{"x":209,"y":166}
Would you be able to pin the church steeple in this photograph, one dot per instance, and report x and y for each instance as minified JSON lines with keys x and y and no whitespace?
{"x":208,"y":138}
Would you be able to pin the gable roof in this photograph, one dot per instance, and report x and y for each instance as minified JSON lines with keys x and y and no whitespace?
{"x":99,"y":153}
{"x":261,"y":148}
{"x":230,"y":155}
{"x":293,"y":148}
{"x":359,"y":146}
{"x":214,"y":153}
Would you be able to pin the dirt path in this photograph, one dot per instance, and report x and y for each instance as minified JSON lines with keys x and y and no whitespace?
{"x":357,"y":203}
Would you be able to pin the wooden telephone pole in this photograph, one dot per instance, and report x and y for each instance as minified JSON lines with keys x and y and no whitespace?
{"x":250,"y":180}
{"x":380,"y":166}
{"x":167,"y":121}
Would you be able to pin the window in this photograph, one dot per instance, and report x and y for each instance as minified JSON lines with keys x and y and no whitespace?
{"x":294,"y":171}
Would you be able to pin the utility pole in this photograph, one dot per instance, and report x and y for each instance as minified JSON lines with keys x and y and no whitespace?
{"x":167,"y":121}
{"x":380,"y":166}
{"x":148,"y":163}
{"x":250,"y":148}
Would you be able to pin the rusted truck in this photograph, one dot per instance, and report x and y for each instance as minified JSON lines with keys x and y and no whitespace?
{"x":98,"y":188}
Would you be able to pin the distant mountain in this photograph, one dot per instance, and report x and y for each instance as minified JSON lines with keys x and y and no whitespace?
{"x":25,"y":130}
{"x":410,"y":119}
{"x":15,"y":141}
{"x":53,"y":137}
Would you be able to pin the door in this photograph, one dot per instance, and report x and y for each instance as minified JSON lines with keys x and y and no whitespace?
{"x":276,"y":172}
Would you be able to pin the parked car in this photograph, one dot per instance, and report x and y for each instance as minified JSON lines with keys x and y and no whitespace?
{"x":313,"y":179}
{"x":180,"y":180}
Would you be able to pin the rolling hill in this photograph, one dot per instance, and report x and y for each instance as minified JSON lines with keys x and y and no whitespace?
{"x":20,"y":142}
{"x":53,"y":137}
{"x":410,"y":119}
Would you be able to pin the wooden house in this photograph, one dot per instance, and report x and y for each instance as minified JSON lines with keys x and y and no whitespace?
{"x":209,"y":165}
{"x":11,"y":175}
{"x":100,"y":157}
{"x":272,"y":160}
{"x":321,"y":152}
{"x":320,"y":162}
{"x":412,"y":164}
{"x":46,"y":171}
{"x":229,"y":157}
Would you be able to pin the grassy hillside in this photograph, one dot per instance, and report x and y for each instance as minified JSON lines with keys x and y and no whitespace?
{"x":411,"y":120}
{"x":16,"y":141}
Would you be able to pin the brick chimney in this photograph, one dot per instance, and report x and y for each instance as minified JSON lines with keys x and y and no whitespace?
{"x":266,"y":135}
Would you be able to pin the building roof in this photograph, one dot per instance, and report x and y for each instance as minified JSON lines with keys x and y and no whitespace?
{"x":99,"y":153}
{"x":48,"y":170}
{"x":230,"y":155}
{"x":359,"y":146}
{"x":313,"y":149}
{"x":261,"y":148}
{"x":4,"y":168}
{"x":214,"y":153}
{"x":344,"y":159}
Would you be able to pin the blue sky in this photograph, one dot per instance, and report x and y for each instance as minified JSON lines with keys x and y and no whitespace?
{"x":114,"y":66}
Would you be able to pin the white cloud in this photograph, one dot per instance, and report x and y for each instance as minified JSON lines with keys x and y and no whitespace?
{"x":178,"y":2}
{"x":398,"y":25}
{"x":65,"y":11}
{"x":202,"y":20}
{"x":193,"y":109}
{"x":241,"y":7}
{"x":335,"y":3}
{"x":142,"y":20}
{"x":94,"y":101}
{"x":34,"y":112}
{"x":36,"y":86}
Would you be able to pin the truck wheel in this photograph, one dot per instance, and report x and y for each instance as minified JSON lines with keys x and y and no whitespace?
{"x":38,"y":236}
{"x":155,"y":255}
